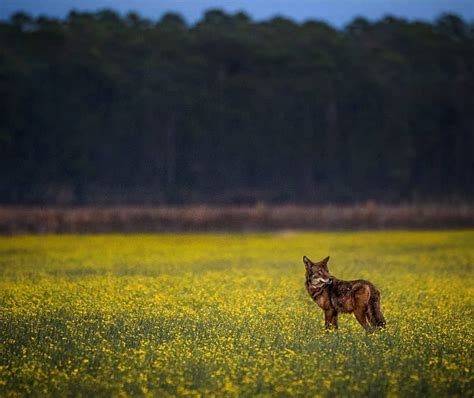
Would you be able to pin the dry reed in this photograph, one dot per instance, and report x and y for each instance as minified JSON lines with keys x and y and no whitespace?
{"x":14,"y":220}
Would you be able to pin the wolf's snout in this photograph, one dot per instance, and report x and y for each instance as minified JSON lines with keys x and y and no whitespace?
{"x":321,"y":280}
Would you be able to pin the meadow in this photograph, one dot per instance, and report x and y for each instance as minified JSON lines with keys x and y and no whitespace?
{"x":228,"y":315}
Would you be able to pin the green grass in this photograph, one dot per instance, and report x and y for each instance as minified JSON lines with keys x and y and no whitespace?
{"x":200,"y":314}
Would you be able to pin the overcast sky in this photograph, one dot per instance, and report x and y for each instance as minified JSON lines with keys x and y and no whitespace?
{"x":336,"y":12}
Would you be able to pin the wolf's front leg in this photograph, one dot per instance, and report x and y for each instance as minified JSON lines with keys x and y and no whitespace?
{"x":334,"y":322}
{"x":330,"y":318}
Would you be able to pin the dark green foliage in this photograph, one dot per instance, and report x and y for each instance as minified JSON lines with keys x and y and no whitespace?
{"x":100,"y":108}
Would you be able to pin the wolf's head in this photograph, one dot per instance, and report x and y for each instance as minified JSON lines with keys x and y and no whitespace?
{"x":317,"y":273}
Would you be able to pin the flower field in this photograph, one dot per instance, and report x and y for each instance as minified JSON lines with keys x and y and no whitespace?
{"x":228,"y":315}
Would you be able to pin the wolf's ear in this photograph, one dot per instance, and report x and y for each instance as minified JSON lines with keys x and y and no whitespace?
{"x":307,"y":262}
{"x":324,"y":263}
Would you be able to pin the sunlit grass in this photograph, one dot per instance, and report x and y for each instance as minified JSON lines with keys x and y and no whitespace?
{"x":164,"y":315}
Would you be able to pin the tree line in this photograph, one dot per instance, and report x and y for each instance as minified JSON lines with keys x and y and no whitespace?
{"x":103,"y":108}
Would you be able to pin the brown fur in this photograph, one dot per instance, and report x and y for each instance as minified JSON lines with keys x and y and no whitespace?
{"x":335,"y":296}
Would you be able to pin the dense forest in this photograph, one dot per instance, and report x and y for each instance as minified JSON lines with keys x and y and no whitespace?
{"x":100,"y":108}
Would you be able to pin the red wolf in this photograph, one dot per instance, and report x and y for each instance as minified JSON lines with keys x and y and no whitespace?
{"x":335,"y":296}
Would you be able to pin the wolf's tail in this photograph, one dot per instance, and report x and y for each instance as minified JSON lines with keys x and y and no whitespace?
{"x":376,"y":318}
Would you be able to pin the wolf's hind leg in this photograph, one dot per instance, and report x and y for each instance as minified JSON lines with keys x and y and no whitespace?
{"x":361,"y":315}
{"x":361,"y":306}
{"x":374,"y":310}
{"x":371,"y":317}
